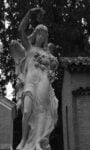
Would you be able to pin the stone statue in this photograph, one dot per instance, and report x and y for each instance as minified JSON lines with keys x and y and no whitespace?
{"x":35,"y":70}
{"x":51,"y":47}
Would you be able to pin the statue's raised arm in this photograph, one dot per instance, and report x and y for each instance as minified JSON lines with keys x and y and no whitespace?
{"x":38,"y":12}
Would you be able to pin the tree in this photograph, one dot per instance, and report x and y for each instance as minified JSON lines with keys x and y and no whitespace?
{"x":69,"y":25}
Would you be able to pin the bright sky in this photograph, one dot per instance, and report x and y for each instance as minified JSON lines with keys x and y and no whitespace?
{"x":9,"y":91}
{"x":7,"y":23}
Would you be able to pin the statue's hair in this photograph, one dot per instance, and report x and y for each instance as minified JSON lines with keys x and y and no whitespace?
{"x":39,"y":28}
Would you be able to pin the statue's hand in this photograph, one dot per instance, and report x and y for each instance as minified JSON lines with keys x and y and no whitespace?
{"x":38,"y":12}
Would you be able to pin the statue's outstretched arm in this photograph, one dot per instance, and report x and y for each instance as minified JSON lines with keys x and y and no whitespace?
{"x":38,"y":12}
{"x":22,"y":27}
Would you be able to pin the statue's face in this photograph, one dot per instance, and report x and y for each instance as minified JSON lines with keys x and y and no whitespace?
{"x":40,"y":38}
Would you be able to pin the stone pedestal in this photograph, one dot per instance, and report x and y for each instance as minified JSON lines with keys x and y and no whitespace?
{"x":7,"y":115}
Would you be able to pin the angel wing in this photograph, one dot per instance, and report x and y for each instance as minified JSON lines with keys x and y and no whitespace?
{"x":17,"y":51}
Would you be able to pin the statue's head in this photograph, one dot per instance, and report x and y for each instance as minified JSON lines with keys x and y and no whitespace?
{"x":39,"y":37}
{"x":51,"y":47}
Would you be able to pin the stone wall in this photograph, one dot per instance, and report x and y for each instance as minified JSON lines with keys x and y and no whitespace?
{"x":76,"y":110}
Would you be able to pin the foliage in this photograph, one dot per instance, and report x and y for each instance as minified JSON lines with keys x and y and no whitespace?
{"x":76,"y":64}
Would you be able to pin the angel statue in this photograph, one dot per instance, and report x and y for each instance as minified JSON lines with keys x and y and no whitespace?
{"x":35,"y":70}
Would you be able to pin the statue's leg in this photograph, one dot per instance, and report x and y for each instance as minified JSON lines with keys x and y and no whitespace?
{"x":25,"y":126}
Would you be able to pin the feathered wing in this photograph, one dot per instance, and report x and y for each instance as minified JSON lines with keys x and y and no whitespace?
{"x":17,"y":51}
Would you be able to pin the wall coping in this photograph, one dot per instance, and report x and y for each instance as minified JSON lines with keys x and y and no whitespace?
{"x":75,"y":64}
